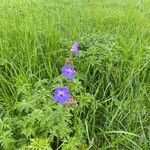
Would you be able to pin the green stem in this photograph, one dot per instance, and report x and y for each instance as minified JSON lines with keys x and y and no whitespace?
{"x":75,"y":122}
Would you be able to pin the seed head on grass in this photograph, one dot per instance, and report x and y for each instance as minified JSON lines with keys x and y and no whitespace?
{"x":68,"y":72}
{"x":61,"y":95}
{"x":74,"y":49}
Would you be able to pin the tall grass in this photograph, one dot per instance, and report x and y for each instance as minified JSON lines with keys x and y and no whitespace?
{"x":114,"y":44}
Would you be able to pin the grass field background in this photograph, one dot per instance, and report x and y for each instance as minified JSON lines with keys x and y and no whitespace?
{"x":113,"y":68}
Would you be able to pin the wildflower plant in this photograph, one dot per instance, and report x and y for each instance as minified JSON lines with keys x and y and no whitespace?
{"x":67,"y":93}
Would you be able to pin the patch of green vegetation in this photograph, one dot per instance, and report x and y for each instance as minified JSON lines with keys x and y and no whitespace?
{"x":112,"y":86}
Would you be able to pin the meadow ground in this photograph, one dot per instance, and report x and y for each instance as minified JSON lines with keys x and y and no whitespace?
{"x":111,"y":87}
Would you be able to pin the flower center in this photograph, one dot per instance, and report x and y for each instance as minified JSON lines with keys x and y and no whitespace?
{"x":69,"y":71}
{"x":61,"y":94}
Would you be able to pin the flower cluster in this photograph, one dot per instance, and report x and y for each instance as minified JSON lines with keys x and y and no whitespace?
{"x":62,"y":94}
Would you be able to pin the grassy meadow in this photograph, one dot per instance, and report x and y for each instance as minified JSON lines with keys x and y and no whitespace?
{"x":112,"y":82}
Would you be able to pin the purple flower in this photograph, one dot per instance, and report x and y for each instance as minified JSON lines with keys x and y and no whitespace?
{"x":61,"y":95}
{"x":74,"y":48}
{"x":68,"y":72}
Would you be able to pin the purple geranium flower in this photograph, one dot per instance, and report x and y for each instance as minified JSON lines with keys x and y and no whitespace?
{"x":68,"y":72}
{"x":61,"y":95}
{"x":74,"y":48}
